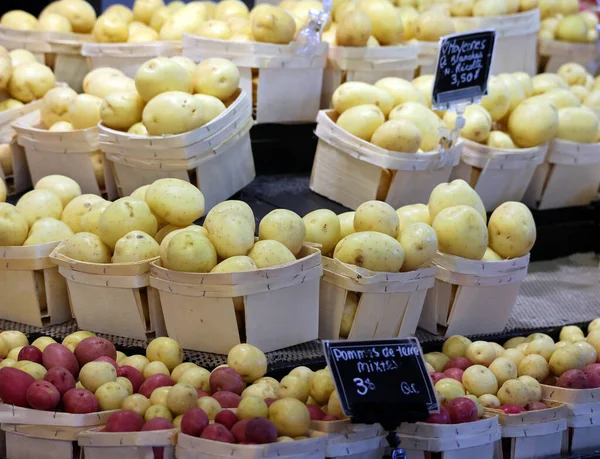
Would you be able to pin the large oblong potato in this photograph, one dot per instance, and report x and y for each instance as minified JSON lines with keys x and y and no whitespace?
{"x":361,"y":121}
{"x":461,"y":232}
{"x":420,"y":243}
{"x":231,"y":234}
{"x":172,"y":112}
{"x":376,"y":216}
{"x":13,"y":226}
{"x":385,"y":19}
{"x":38,"y":204}
{"x":425,"y":119}
{"x":217,"y":77}
{"x":135,"y":246}
{"x":512,"y":230}
{"x":401,"y":90}
{"x":270,"y":253}
{"x":19,"y":19}
{"x":457,"y":192}
{"x":121,"y":110}
{"x":371,"y":250}
{"x":353,"y":93}
{"x":176,"y":201}
{"x":47,"y":229}
{"x":353,"y":29}
{"x":284,"y":226}
{"x":86,"y":247}
{"x":323,"y":227}
{"x":77,"y":208}
{"x":230,"y":206}
{"x":125,"y":215}
{"x":31,"y":81}
{"x":159,"y":75}
{"x":65,"y":188}
{"x":84,"y":111}
{"x":398,"y":135}
{"x":55,"y":105}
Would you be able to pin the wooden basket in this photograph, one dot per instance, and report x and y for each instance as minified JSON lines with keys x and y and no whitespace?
{"x":352,"y":441}
{"x":10,"y":414}
{"x":556,"y":53}
{"x":351,"y":171}
{"x":115,"y":299}
{"x":127,"y":57}
{"x":189,"y":447}
{"x":139,"y":445}
{"x":64,"y":153}
{"x":534,"y":434}
{"x":51,"y":442}
{"x":389,"y":306}
{"x":569,"y":177}
{"x":583,"y":418}
{"x":498,"y":175}
{"x":471,"y":440}
{"x":32,"y":40}
{"x":289,"y":84}
{"x":368,"y":65}
{"x":33,"y":292}
{"x":471,"y":297}
{"x":273,"y":307}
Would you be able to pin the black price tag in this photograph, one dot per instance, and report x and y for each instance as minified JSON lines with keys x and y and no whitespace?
{"x":380,"y":372}
{"x":463,"y":68}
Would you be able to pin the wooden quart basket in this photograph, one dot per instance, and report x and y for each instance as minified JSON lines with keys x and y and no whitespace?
{"x":289,"y":84}
{"x":570,"y":176}
{"x":351,"y":171}
{"x":554,"y":53}
{"x":198,"y":448}
{"x":583,"y":415}
{"x":352,"y":441}
{"x":74,"y":154}
{"x":471,"y":297}
{"x":470,"y":440}
{"x":129,"y":445}
{"x":127,"y":57}
{"x":389,"y":304}
{"x":366,"y":64}
{"x":33,"y":292}
{"x":534,"y":434}
{"x":115,"y":299}
{"x":270,"y":308}
{"x":498,"y":175}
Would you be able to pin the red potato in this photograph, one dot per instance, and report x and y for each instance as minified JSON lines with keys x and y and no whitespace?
{"x":593,"y":380}
{"x":31,"y":353}
{"x":134,"y":376}
{"x":125,"y":421}
{"x":13,"y":386}
{"x":239,"y":430}
{"x":217,"y":432}
{"x":226,"y":418}
{"x":154,"y":382}
{"x":436,"y":376}
{"x":535,"y":406}
{"x":458,"y":362}
{"x":57,"y":355}
{"x":42,"y":395}
{"x":194,"y":421}
{"x":157,"y":424}
{"x":61,"y":378}
{"x":226,"y":379}
{"x":462,"y":410}
{"x":203,"y":393}
{"x":227,"y":399}
{"x":330,"y":418}
{"x":443,"y":417}
{"x":454,"y":373}
{"x":573,"y":379}
{"x":512,"y":409}
{"x":261,"y":431}
{"x":108,"y":360}
{"x":93,"y":347}
{"x":270,"y":401}
{"x":316,"y":413}
{"x":592,"y":368}
{"x":80,"y":401}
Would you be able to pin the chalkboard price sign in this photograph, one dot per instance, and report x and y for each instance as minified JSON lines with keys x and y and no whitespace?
{"x":377,"y":373}
{"x":463,"y":68}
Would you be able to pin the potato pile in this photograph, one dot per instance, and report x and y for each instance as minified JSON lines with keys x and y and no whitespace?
{"x":65,"y":16}
{"x":562,"y":21}
{"x":362,"y":109}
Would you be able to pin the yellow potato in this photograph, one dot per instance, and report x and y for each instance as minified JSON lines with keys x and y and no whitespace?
{"x":401,"y":90}
{"x":457,"y":192}
{"x":376,"y":216}
{"x":181,"y":398}
{"x":90,"y":220}
{"x":514,"y":392}
{"x":500,"y":140}
{"x":361,"y":121}
{"x":47,"y":230}
{"x":104,"y":85}
{"x":490,"y":255}
{"x":172,"y":112}
{"x":561,"y":98}
{"x":186,"y":20}
{"x":420,"y":244}
{"x":385,"y":19}
{"x":138,"y":129}
{"x":237,"y":207}
{"x":371,"y":250}
{"x":111,"y":395}
{"x":80,"y":14}
{"x":176,"y":201}
{"x":535,"y":366}
{"x":353,"y":29}
{"x":160,"y":75}
{"x":415,"y":213}
{"x":356,"y":93}
{"x":144,"y":9}
{"x":217,"y":77}
{"x":533,"y":123}
{"x":111,"y":29}
{"x":53,"y":22}
{"x":425,"y":119}
{"x":61,"y":126}
{"x":348,"y":315}
{"x":512,"y":230}
{"x":122,"y":11}
{"x":121,"y":110}
{"x":524,"y":79}
{"x":566,"y":358}
{"x":38,"y":204}
{"x":323,"y":227}
{"x":572,"y":28}
{"x":461,"y":232}
{"x":100,"y":73}
{"x":19,"y":19}
{"x":125,"y":215}
{"x":577,"y":124}
{"x":10,"y":104}
{"x":2,"y":190}
{"x":437,"y":360}
{"x":432,"y":25}
{"x":398,"y":135}
{"x":86,"y":247}
{"x":13,"y":226}
{"x":283,"y":226}
{"x":158,"y":411}
{"x":346,"y":224}
{"x":235,"y":264}
{"x":196,"y":377}
{"x":84,"y":111}
{"x":456,"y":346}
{"x":31,"y":81}
{"x":270,"y":253}
{"x":503,"y":369}
{"x":214,"y":28}
{"x":165,"y":350}
{"x":159,"y":17}
{"x":65,"y":188}
{"x":135,"y":246}
{"x":481,"y":352}
{"x":479,"y":380}
{"x":211,"y":107}
{"x":34,"y":369}
{"x":78,"y":207}
{"x":231,"y":234}
{"x":230,"y":8}
{"x":189,"y":251}
{"x":589,"y":352}
{"x":55,"y":105}
{"x":239,"y":25}
{"x":144,"y":35}
{"x":478,"y":123}
{"x":497,"y":101}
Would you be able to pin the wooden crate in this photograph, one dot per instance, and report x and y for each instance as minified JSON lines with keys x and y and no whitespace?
{"x":189,"y":447}
{"x":64,"y":153}
{"x":33,"y":292}
{"x":141,"y":445}
{"x":351,"y":171}
{"x":389,"y":306}
{"x":352,"y":441}
{"x":583,"y":417}
{"x":289,"y":84}
{"x":471,"y":297}
{"x":498,"y":175}
{"x":271,"y":308}
{"x":534,"y":434}
{"x":10,"y":414}
{"x":570,"y":176}
{"x":115,"y":299}
{"x":32,"y":40}
{"x":127,"y":57}
{"x":33,"y":441}
{"x":554,"y":53}
{"x":366,"y":64}
{"x":471,"y":440}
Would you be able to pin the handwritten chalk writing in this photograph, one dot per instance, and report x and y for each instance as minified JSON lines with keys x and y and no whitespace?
{"x":409,"y":389}
{"x":363,"y":386}
{"x":377,"y":366}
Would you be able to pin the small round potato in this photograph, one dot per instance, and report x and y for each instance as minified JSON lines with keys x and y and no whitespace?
{"x":80,"y":14}
{"x":186,"y":20}
{"x":478,"y":123}
{"x":458,"y":192}
{"x":376,"y":216}
{"x":231,"y":234}
{"x":323,"y":227}
{"x":479,"y":380}
{"x":235,"y":264}
{"x":230,"y":8}
{"x":461,"y":232}
{"x":266,"y":254}
{"x":236,"y":207}
{"x":144,"y":9}
{"x":211,"y":107}
{"x":65,"y":188}
{"x":19,"y":19}
{"x":111,"y":29}
{"x":371,"y":250}
{"x":186,"y":63}
{"x":284,"y":226}
{"x":456,"y":346}
{"x":78,"y":207}
{"x":61,"y":126}
{"x":514,"y":392}
{"x":354,"y":93}
{"x":144,"y":35}
{"x":55,"y":105}
{"x":385,"y":19}
{"x":189,"y":251}
{"x":503,"y":369}
{"x":31,"y":81}
{"x":566,"y":358}
{"x":361,"y":121}
{"x":86,"y":247}
{"x":490,"y":255}
{"x":398,"y":135}
{"x":53,"y":22}
{"x":103,"y":86}
{"x":90,"y":221}
{"x":173,"y":112}
{"x":10,"y":104}
{"x":84,"y":111}
{"x":102,"y":73}
{"x":125,"y":215}
{"x":13,"y":226}
{"x":160,"y":75}
{"x":353,"y":29}
{"x":414,"y":213}
{"x":159,"y":17}
{"x":135,"y":246}
{"x":120,"y":10}
{"x":214,"y":28}
{"x":38,"y":204}
{"x":402,"y":91}
{"x":164,"y":245}
{"x":346,"y":224}
{"x":239,"y":26}
{"x":121,"y":110}
{"x":21,"y":56}
{"x":512,"y":230}
{"x":217,"y":77}
{"x":535,"y":366}
{"x":420,"y":244}
{"x":176,"y":201}
{"x":138,"y":129}
{"x":6,"y":69}
{"x":424,"y":118}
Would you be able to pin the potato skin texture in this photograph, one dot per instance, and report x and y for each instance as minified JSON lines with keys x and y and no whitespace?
{"x":461,"y":232}
{"x":371,"y":250}
{"x":512,"y":231}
